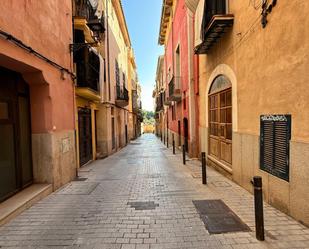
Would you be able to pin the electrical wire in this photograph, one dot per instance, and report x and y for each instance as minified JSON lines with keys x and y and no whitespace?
{"x":29,"y":49}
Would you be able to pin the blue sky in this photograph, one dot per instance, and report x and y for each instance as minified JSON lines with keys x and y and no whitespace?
{"x":143,"y":20}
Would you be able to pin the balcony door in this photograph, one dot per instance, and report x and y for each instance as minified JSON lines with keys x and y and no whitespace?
{"x":220,"y":121}
{"x":15,"y":134}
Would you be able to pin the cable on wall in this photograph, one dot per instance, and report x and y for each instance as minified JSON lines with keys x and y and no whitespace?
{"x":30,"y":50}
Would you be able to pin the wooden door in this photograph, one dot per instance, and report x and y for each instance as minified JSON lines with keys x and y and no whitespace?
{"x":220,"y":126}
{"x":15,"y":134}
{"x":85,"y":135}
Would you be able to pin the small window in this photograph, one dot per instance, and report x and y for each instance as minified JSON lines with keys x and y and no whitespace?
{"x":275,"y":145}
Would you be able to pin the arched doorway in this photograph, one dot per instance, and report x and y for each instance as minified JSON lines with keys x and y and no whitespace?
{"x":220,"y":121}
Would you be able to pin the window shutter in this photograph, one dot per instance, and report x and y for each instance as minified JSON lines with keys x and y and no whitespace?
{"x":275,"y":145}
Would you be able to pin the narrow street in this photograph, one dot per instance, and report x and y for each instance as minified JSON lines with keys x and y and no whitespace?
{"x":141,"y":197}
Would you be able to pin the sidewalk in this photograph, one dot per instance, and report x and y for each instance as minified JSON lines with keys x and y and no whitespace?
{"x":281,"y":230}
{"x":142,"y":197}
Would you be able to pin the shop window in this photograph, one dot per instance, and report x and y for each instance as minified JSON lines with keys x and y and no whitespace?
{"x":275,"y":145}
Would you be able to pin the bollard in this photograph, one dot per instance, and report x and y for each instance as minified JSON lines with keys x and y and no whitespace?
{"x":164,"y":139}
{"x":184,"y":154}
{"x":174,"y":147}
{"x":204,"y":173}
{"x":161,"y":137}
{"x":258,"y":207}
{"x":167,"y":142}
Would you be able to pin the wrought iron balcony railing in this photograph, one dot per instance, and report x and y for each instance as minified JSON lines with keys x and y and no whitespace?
{"x":175,"y":89}
{"x":88,"y":71}
{"x":216,"y":22}
{"x":84,"y":9}
{"x":122,"y":94}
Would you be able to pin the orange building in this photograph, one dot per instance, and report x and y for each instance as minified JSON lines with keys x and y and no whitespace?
{"x":37,"y":140}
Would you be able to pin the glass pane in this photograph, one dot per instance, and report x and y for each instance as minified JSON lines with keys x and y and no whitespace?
{"x":219,"y":84}
{"x":216,"y":130}
{"x":4,"y":110}
{"x":25,"y":140}
{"x":229,"y":132}
{"x":229,"y":115}
{"x":216,"y":101}
{"x":222,"y":132}
{"x":222,"y":100}
{"x":229,"y":98}
{"x":7,"y":161}
{"x":223,"y":116}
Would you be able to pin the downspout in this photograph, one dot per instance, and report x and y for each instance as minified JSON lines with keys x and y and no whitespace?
{"x":74,"y":100}
{"x":107,"y":52}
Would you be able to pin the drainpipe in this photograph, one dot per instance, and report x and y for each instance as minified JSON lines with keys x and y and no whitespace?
{"x":107,"y":52}
{"x":74,"y":100}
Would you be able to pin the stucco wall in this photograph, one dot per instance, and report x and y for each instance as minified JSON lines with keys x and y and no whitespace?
{"x":46,"y":26}
{"x":268,"y":69}
{"x":41,"y":25}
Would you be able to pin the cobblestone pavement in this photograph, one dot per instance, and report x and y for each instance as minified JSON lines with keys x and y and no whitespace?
{"x":103,"y":211}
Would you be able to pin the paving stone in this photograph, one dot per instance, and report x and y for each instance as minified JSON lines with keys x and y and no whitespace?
{"x":93,"y":214}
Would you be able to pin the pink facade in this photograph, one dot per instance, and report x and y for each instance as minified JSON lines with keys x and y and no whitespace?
{"x":178,"y":38}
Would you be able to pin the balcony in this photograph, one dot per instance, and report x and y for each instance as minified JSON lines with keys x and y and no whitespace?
{"x":86,"y":19}
{"x":174,"y":88}
{"x":216,"y":22}
{"x":140,"y":116}
{"x":122,"y":96}
{"x":87,"y":74}
{"x":135,"y":103}
{"x":159,"y":102}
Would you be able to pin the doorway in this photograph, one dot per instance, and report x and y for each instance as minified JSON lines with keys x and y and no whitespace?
{"x":179,"y":133}
{"x":220,"y":120}
{"x":15,"y":134}
{"x":85,"y":135}
{"x":186,"y":134}
{"x":126,"y":133}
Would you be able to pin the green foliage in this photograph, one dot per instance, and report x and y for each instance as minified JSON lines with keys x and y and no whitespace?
{"x":148,"y":117}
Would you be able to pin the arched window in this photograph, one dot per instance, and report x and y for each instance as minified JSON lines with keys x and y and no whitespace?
{"x":219,"y":84}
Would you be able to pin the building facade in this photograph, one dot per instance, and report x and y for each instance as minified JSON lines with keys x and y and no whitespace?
{"x":106,"y":78}
{"x":88,"y":58}
{"x":246,"y":130}
{"x":250,"y":89}
{"x":176,"y":32}
{"x":36,"y":96}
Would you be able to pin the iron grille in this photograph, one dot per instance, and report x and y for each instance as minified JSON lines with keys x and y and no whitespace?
{"x":275,"y":145}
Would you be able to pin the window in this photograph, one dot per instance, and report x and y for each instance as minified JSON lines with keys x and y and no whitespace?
{"x":117,"y":75}
{"x":275,"y":145}
{"x":184,"y":101}
{"x":173,"y":112}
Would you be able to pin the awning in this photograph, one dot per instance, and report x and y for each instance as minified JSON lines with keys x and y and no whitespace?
{"x":192,"y":4}
{"x":198,"y":39}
